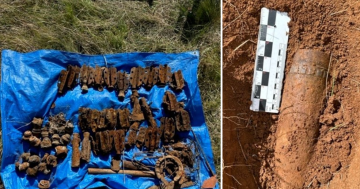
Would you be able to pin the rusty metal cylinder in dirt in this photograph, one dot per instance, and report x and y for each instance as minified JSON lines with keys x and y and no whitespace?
{"x":298,"y":124}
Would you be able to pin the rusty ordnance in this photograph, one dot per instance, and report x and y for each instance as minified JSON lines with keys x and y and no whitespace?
{"x":119,"y":141}
{"x":182,"y":120}
{"x":170,"y":103}
{"x":44,"y":184}
{"x":177,"y":82}
{"x":75,"y":158}
{"x":164,"y":75}
{"x":132,"y":133}
{"x":115,"y":164}
{"x":168,"y":124}
{"x":127,"y":172}
{"x":84,"y":76}
{"x":298,"y":125}
{"x":124,"y":114}
{"x":140,"y":138}
{"x":136,"y":114}
{"x":62,"y":81}
{"x":122,"y":84}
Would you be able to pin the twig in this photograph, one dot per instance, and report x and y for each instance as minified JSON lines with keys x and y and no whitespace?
{"x":327,"y":75}
{"x":338,"y":12}
{"x":242,"y":44}
{"x":242,"y":150}
{"x":235,"y":18}
{"x":233,"y":178}
{"x":308,"y":186}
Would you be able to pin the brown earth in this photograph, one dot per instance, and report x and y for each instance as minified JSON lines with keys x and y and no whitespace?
{"x":249,"y":138}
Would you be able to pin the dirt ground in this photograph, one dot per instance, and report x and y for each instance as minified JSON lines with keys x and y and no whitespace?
{"x":249,"y":138}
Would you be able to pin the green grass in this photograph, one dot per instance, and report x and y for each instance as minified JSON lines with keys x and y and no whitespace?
{"x":101,"y":27}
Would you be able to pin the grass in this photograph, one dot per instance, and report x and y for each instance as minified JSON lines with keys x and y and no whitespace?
{"x":101,"y":27}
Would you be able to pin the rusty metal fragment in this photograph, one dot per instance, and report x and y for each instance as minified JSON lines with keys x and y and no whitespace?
{"x":65,"y":139}
{"x":98,"y":78}
{"x":32,"y":171}
{"x":170,"y":103}
{"x":112,"y":79}
{"x":159,"y":134}
{"x":83,"y":119}
{"x":151,"y":138}
{"x":132,"y":133}
{"x":169,"y":128}
{"x":151,"y":75}
{"x":94,"y":119}
{"x":122,"y":84}
{"x":34,"y":141}
{"x":124,"y":121}
{"x":140,"y":138}
{"x":44,"y":184}
{"x":34,"y":160}
{"x":45,"y":143}
{"x":147,"y":113}
{"x":73,"y":76}
{"x":164,"y":75}
{"x":134,"y":165}
{"x":61,"y":151}
{"x":27,"y":135}
{"x":25,"y":157}
{"x":136,"y":77}
{"x":84,"y":77}
{"x":170,"y":165}
{"x":91,"y":79}
{"x":36,"y":124}
{"x":62,"y":81}
{"x":75,"y":158}
{"x":119,"y":141}
{"x":105,"y":142}
{"x":96,"y":143}
{"x":101,"y":124}
{"x":183,"y":120}
{"x":111,"y":118}
{"x":177,"y":82}
{"x":106,"y":76}
{"x":136,"y":114}
{"x":85,"y":153}
{"x":51,"y":160}
{"x":22,"y":166}
{"x":115,"y":164}
{"x":55,"y":139}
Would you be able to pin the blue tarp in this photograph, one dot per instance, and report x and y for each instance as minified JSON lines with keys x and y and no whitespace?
{"x":29,"y":87}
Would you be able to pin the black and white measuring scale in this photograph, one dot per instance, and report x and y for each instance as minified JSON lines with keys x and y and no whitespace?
{"x":270,"y":61}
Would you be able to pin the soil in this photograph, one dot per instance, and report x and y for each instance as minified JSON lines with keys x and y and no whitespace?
{"x":249,"y":138}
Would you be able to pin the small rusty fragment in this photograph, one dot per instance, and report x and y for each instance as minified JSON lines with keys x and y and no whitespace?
{"x":86,"y":148}
{"x":94,"y":118}
{"x":101,"y":124}
{"x":136,"y":77}
{"x":98,"y":78}
{"x":159,"y":134}
{"x":178,"y":82}
{"x":45,"y":143}
{"x":36,"y":123}
{"x":27,"y":135}
{"x":122,"y":84}
{"x":25,"y":157}
{"x":169,"y":128}
{"x":106,"y":76}
{"x":136,"y":114}
{"x":170,"y":103}
{"x":124,"y":114}
{"x":119,"y":141}
{"x":44,"y":184}
{"x":32,"y":171}
{"x":115,"y":164}
{"x":164,"y":75}
{"x":147,"y":113}
{"x":105,"y":144}
{"x":55,"y":140}
{"x":91,"y":78}
{"x":96,"y":143}
{"x":132,"y":133}
{"x":34,"y":160}
{"x":151,"y":77}
{"x":151,"y":138}
{"x":65,"y":139}
{"x":45,"y":132}
{"x":183,"y":120}
{"x":134,"y":165}
{"x":112,"y":79}
{"x":34,"y":141}
{"x":140,"y":138}
{"x":51,"y":160}
{"x":61,"y":151}
{"x":84,"y":77}
{"x":75,"y":158}
{"x":69,"y":127}
{"x":23,"y":166}
{"x":83,"y":118}
{"x":73,"y":75}
{"x":43,"y":168}
{"x":111,"y":118}
{"x":62,"y":81}
{"x":112,"y":134}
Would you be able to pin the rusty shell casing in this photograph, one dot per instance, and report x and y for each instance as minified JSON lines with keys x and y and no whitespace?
{"x":298,"y":125}
{"x":75,"y":159}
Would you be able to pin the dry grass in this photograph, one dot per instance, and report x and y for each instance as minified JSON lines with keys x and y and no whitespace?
{"x":101,"y":27}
